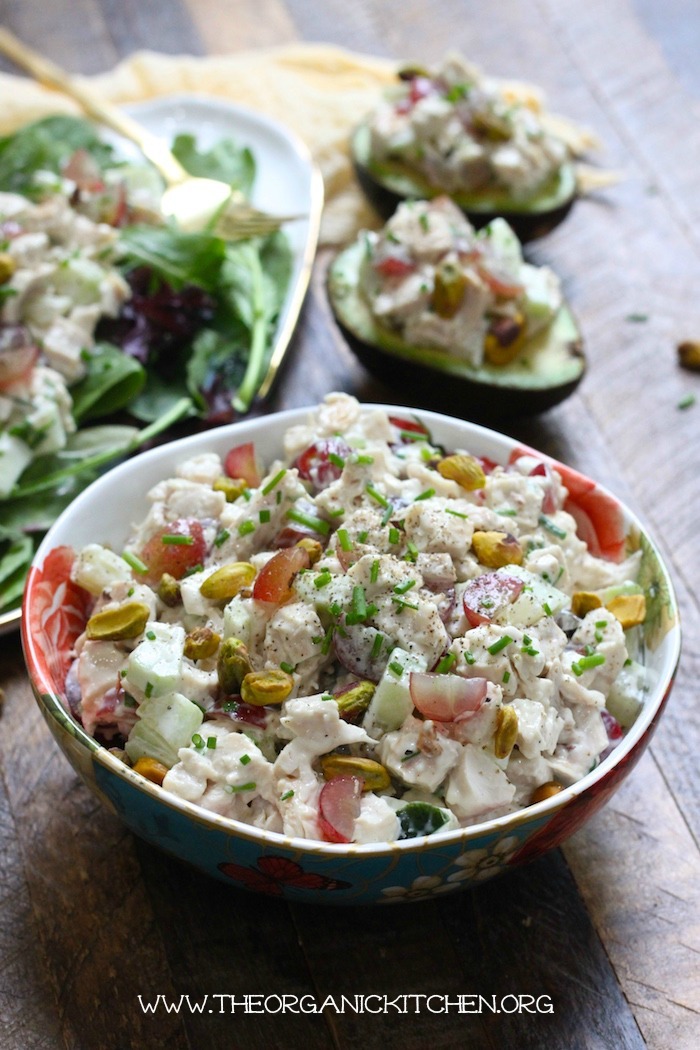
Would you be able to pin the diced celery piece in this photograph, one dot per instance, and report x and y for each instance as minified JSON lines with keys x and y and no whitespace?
{"x":537,"y":599}
{"x":166,"y":723}
{"x":392,"y":704}
{"x":627,"y":693}
{"x":155,"y":664}
{"x":238,"y":620}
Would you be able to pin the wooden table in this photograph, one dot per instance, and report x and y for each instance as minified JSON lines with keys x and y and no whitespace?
{"x":609,"y":928}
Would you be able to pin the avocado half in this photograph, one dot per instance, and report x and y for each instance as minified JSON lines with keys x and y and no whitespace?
{"x":548,"y":368}
{"x":386,"y":184}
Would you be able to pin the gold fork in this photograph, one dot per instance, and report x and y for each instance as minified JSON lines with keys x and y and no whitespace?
{"x":193,"y":202}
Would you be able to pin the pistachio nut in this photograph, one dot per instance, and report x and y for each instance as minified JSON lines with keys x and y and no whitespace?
{"x":504,"y":339}
{"x":266,"y":687}
{"x":629,"y":609}
{"x":545,"y":791}
{"x":232,"y":665}
{"x":201,"y":643}
{"x":506,"y":731}
{"x":169,"y":590}
{"x":151,"y":769}
{"x":689,"y":356}
{"x":312,"y":547}
{"x":464,"y":469}
{"x":373,"y":774}
{"x":583,"y":601}
{"x":123,"y":621}
{"x":232,"y":488}
{"x":7,"y":267}
{"x":355,"y":701}
{"x":227,"y":581}
{"x":495,"y":549}
{"x":449,"y":288}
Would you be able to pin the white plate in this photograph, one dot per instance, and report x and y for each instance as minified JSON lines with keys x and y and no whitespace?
{"x":287,"y":182}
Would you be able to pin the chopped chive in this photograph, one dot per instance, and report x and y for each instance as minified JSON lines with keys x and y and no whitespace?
{"x":411,"y":754}
{"x":151,"y":635}
{"x":530,"y":650}
{"x":377,"y":496}
{"x":388,"y":511}
{"x":197,"y":740}
{"x":363,"y":459}
{"x":600,"y":625}
{"x":129,"y":700}
{"x":287,"y":668}
{"x":193,"y":569}
{"x":507,"y":512}
{"x":336,"y":460}
{"x":376,"y":645}
{"x":547,"y":608}
{"x":134,"y":562}
{"x":335,"y":609}
{"x":246,"y":527}
{"x":211,"y":743}
{"x":344,"y":540}
{"x":130,"y":592}
{"x":278,"y":498}
{"x":247,"y":495}
{"x":250,"y":786}
{"x":446,"y":663}
{"x":394,"y":535}
{"x":264,"y":516}
{"x":527,"y":640}
{"x":506,"y":676}
{"x":456,"y":513}
{"x":412,"y":435}
{"x":686,"y":402}
{"x":500,"y":644}
{"x":245,"y":760}
{"x":428,"y":494}
{"x":336,"y":513}
{"x":148,"y":691}
{"x":598,"y":636}
{"x":374,"y":571}
{"x":358,"y":613}
{"x":323,"y":579}
{"x":469,"y":657}
{"x":273,"y":482}
{"x":400,"y":603}
{"x":362,"y":536}
{"x":221,"y":537}
{"x":552,"y":527}
{"x":637,"y":318}
{"x":177,"y":541}
{"x":627,"y":663}
{"x":396,"y":668}
{"x":327,"y":696}
{"x":327,"y":639}
{"x":587,"y":663}
{"x":412,"y":552}
{"x":310,"y":520}
{"x":401,"y":588}
{"x":286,"y":795}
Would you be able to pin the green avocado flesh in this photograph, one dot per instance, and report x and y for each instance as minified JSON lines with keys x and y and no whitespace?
{"x":547,"y":369}
{"x":389,"y":182}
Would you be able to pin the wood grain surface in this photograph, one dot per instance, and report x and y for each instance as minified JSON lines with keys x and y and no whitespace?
{"x":610,"y":929}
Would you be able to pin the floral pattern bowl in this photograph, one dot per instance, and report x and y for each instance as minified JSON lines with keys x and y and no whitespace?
{"x":55,"y":611}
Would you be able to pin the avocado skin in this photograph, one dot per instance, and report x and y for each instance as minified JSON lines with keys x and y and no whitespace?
{"x":460,"y":391}
{"x":528,"y":225}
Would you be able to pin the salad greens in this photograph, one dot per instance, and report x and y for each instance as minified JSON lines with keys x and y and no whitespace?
{"x":192,"y":340}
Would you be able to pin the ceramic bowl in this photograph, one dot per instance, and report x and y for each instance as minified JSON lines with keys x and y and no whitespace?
{"x":55,"y":611}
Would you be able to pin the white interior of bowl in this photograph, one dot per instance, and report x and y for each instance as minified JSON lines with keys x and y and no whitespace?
{"x":105,"y":512}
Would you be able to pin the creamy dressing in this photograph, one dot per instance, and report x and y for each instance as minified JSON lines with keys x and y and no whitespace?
{"x":475,"y":698}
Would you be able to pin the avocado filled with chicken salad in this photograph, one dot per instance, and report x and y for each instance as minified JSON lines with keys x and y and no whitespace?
{"x":369,"y":639}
